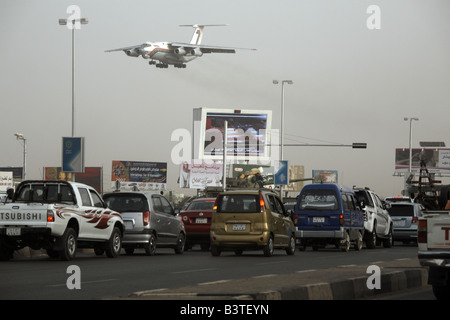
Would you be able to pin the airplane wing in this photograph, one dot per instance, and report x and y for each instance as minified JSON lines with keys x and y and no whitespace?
{"x":140,"y":46}
{"x":205,"y":48}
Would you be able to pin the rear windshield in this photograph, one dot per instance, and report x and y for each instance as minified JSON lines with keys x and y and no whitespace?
{"x":201,"y":205}
{"x":238,"y":203}
{"x":45,"y":193}
{"x":401,"y":211}
{"x":127,"y":203}
{"x":319,"y":200}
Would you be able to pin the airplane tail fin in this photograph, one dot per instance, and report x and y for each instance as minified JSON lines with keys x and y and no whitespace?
{"x":198,"y":33}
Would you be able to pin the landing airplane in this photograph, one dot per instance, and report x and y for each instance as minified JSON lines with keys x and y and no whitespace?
{"x":176,"y":53}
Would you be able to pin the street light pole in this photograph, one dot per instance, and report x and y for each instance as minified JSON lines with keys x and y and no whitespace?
{"x":282,"y":114}
{"x":410,"y":141}
{"x":20,"y":136}
{"x":73,"y":27}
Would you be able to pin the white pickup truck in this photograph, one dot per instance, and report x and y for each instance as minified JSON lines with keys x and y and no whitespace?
{"x":58,"y":216}
{"x":433,"y":237}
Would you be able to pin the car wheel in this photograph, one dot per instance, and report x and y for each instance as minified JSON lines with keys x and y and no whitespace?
{"x":269,"y":247}
{"x":114,"y":244}
{"x":388,"y":242}
{"x":291,"y":249}
{"x":69,"y":240}
{"x":215,"y":251}
{"x":371,"y":241}
{"x":359,"y":242}
{"x":179,"y":248}
{"x":345,"y":243}
{"x":150,"y":246}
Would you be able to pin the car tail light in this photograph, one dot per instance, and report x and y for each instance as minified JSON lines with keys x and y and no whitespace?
{"x":146,"y":217}
{"x":415,"y":220}
{"x":216,"y":203}
{"x":50,"y":216}
{"x":262,"y":204}
{"x":422,"y":231}
{"x":341,"y":219}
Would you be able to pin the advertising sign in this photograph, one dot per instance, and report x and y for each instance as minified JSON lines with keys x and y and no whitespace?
{"x":199,"y":175}
{"x":437,"y":159}
{"x":6,"y":180}
{"x":247,"y":133}
{"x":72,"y":154}
{"x":281,"y":173}
{"x":92,"y":176}
{"x":250,"y":175}
{"x":143,"y":175}
{"x":325,"y":176}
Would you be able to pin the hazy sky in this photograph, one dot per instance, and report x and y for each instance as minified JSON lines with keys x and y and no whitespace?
{"x":351,"y":84}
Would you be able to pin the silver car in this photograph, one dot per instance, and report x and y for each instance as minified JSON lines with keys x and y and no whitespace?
{"x":405,"y":217}
{"x":150,"y":221}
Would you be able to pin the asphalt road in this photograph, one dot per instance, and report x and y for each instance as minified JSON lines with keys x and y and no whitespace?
{"x":101,"y":277}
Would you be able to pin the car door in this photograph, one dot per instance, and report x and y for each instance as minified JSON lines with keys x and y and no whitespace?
{"x":173,"y":222}
{"x":278,"y":224}
{"x":161,"y":220}
{"x":92,"y":216}
{"x":381,"y":214}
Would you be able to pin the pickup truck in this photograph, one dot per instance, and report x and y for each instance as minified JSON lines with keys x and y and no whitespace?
{"x":433,"y":237}
{"x":58,"y":216}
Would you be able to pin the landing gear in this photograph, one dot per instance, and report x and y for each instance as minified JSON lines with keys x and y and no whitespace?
{"x":180,"y":65}
{"x":162,"y":65}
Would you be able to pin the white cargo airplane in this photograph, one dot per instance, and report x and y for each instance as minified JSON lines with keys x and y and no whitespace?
{"x":176,"y":53}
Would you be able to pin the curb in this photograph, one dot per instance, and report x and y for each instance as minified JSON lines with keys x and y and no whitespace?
{"x":340,"y":285}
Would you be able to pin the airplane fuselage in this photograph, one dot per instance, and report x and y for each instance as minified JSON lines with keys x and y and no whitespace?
{"x":162,"y":52}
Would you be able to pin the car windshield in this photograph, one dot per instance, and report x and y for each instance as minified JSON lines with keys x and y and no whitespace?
{"x":127,"y":203}
{"x":239,"y":203}
{"x":45,"y":193}
{"x":401,"y":211}
{"x":201,"y":205}
{"x":319,"y":200}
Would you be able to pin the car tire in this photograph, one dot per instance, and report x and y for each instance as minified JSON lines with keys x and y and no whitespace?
{"x":114,"y":244}
{"x":69,"y":241}
{"x":181,"y":240}
{"x":371,"y":240}
{"x":389,"y":241}
{"x":359,"y":242}
{"x":269,"y":247}
{"x":290,"y":250}
{"x":215,"y":251}
{"x":150,"y":246}
{"x":345,"y":243}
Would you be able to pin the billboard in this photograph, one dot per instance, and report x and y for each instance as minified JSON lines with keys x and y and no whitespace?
{"x":199,"y":175}
{"x":72,"y":154}
{"x":144,"y":175}
{"x":325,"y":176}
{"x":436,"y":159}
{"x":92,"y":176}
{"x":6,"y":180}
{"x":247,"y":134}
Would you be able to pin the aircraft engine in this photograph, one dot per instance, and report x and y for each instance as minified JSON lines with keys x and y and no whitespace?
{"x":133,"y":52}
{"x":196,"y":52}
{"x":180,"y":51}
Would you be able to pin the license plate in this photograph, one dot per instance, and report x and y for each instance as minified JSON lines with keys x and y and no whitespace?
{"x":13,"y":231}
{"x":238,"y":227}
{"x":318,"y":219}
{"x":399,"y":223}
{"x":201,"y":220}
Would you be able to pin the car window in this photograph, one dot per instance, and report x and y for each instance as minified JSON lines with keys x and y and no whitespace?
{"x":157,"y":205}
{"x":167,"y":208}
{"x":362,"y":195}
{"x":401,"y":211}
{"x":85,"y":199}
{"x":96,"y":198}
{"x":320,"y":199}
{"x":275,"y":204}
{"x":239,"y":203}
{"x":127,"y":202}
{"x":201,"y":205}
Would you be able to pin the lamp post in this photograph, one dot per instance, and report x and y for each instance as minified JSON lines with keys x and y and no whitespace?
{"x":74,"y":25}
{"x":410,"y":140}
{"x":282,"y":113}
{"x":20,"y":136}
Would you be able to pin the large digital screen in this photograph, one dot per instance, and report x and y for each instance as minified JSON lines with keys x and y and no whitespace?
{"x":247,"y":133}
